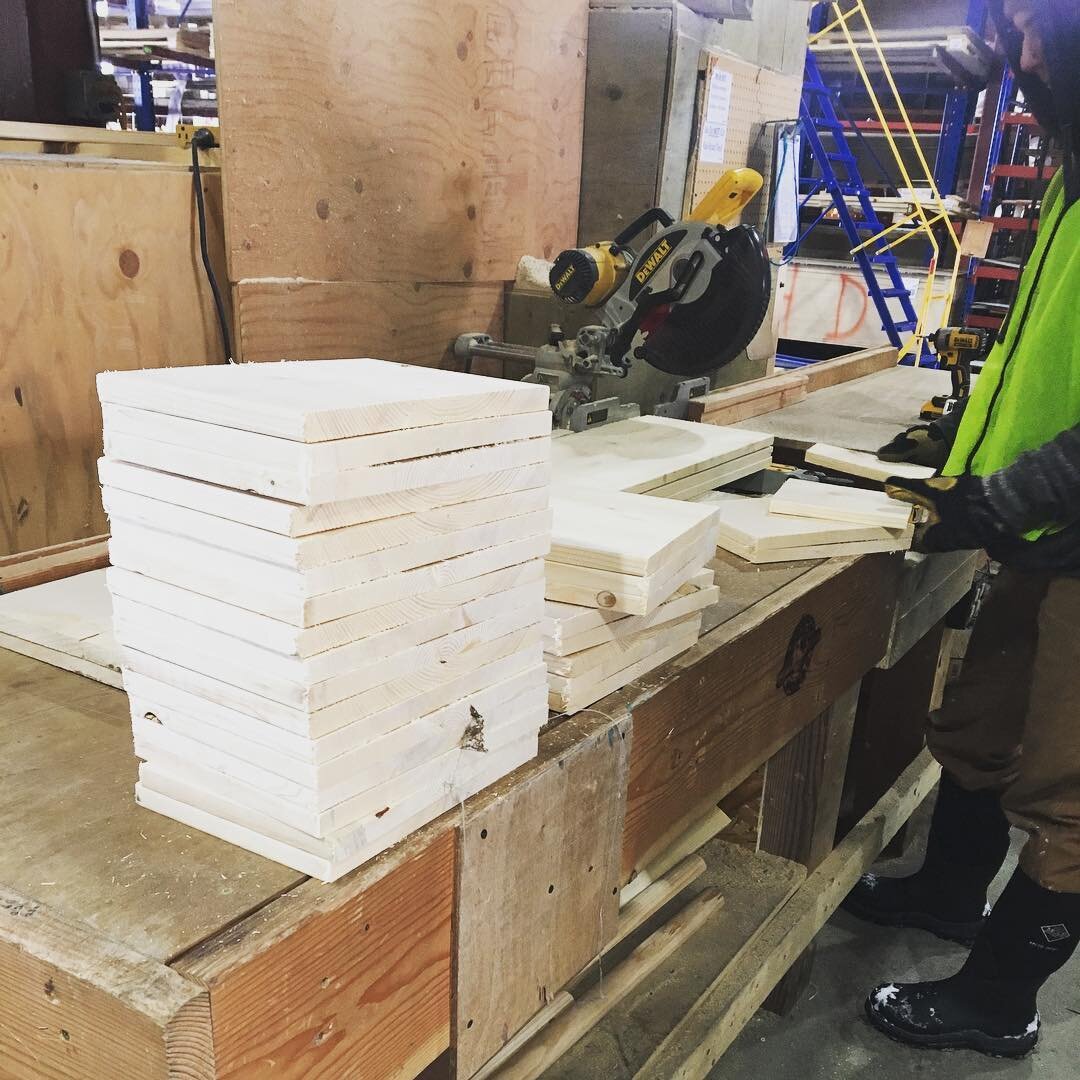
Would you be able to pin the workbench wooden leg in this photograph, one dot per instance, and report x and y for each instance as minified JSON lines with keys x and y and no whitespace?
{"x":800,"y":806}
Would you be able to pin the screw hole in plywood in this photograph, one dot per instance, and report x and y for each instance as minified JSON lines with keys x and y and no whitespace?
{"x":483,"y":834}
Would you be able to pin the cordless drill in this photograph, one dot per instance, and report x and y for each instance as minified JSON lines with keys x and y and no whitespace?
{"x":957,"y":348}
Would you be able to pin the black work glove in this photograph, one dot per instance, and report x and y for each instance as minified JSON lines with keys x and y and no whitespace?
{"x":923,"y":444}
{"x":959,"y":516}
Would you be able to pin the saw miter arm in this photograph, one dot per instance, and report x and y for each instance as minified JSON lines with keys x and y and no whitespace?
{"x":687,"y":302}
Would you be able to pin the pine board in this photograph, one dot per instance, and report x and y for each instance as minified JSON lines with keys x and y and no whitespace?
{"x":320,"y":549}
{"x":647,"y":452}
{"x":692,"y":487}
{"x":623,"y":592}
{"x":390,"y":628}
{"x":327,"y":487}
{"x":315,"y":401}
{"x":571,"y":698}
{"x":385,"y":706}
{"x":237,"y":580}
{"x":66,"y":623}
{"x":258,"y":670}
{"x":290,"y":519}
{"x":392,"y":752}
{"x":309,"y":459}
{"x":688,"y":599}
{"x":624,"y":533}
{"x":805,"y":498}
{"x":868,"y":466}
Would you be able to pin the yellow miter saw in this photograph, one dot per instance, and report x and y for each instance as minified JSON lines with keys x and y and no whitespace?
{"x":687,"y":303}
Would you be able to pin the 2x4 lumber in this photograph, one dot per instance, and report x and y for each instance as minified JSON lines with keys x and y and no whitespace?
{"x":699,"y":1040}
{"x":749,"y":399}
{"x":552,"y":842}
{"x":800,"y":807}
{"x":369,"y":971}
{"x":676,"y":856}
{"x":76,"y":1003}
{"x":806,"y":643}
{"x":854,"y":365}
{"x":596,"y":1003}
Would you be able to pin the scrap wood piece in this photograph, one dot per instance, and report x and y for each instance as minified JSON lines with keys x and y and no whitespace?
{"x":698,"y":1041}
{"x":597,"y":1002}
{"x":867,"y":466}
{"x":625,"y":533}
{"x":29,"y":568}
{"x":807,"y":499}
{"x":749,"y":399}
{"x":840,"y":369}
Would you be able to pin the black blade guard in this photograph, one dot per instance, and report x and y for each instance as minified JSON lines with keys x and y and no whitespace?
{"x":699,"y":337}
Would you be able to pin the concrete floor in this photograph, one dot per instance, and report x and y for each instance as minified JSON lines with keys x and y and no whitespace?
{"x":826,"y":1038}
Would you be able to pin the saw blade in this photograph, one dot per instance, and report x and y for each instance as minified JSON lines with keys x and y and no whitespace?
{"x":698,"y":337}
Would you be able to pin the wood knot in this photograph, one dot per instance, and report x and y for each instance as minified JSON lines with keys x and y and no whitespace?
{"x":605,"y":599}
{"x":129,"y":263}
{"x":322,"y":209}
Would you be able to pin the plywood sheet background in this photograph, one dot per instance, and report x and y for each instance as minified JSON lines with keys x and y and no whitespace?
{"x":413,"y":142}
{"x":99,"y":270}
{"x":757,"y":95}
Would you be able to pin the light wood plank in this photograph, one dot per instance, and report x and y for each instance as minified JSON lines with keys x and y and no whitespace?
{"x":692,"y":487}
{"x":320,"y":400}
{"x":602,"y":660}
{"x":642,"y":454}
{"x":624,"y":533}
{"x":291,"y":519}
{"x":859,"y":463}
{"x":804,"y":498}
{"x":331,"y":486}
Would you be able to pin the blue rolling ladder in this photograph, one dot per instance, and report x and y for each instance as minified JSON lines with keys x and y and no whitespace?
{"x":817,"y":113}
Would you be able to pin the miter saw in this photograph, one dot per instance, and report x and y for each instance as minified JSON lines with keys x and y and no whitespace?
{"x":687,"y":303}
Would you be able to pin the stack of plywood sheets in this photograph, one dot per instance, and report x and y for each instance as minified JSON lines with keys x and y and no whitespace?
{"x":805,"y":520}
{"x":625,"y":589}
{"x":660,"y":456}
{"x":328,"y":585}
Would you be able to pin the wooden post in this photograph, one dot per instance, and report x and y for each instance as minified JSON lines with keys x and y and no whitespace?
{"x":803,"y":785}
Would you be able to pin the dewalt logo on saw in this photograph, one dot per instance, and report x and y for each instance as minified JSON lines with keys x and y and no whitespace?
{"x":564,"y":279}
{"x":653,"y":262}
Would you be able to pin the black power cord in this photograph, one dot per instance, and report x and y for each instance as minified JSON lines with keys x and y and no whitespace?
{"x":203,"y":139}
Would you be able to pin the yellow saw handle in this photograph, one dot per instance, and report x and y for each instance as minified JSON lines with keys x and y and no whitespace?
{"x":727,"y":198}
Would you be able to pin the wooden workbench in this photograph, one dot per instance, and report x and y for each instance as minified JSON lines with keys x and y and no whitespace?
{"x":133,"y":946}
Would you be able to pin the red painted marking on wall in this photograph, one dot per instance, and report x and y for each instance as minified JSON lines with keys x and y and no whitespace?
{"x":846,"y":280}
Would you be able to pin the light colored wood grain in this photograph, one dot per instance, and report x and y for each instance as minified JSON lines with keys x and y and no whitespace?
{"x":273,"y":592}
{"x":642,"y":454}
{"x":697,"y":1042}
{"x":30,"y":568}
{"x":637,"y":908}
{"x":540,"y":1020}
{"x":574,"y":695}
{"x":400,"y":144}
{"x":868,"y":466}
{"x":66,"y":623}
{"x":341,"y":850}
{"x":109,"y":277}
{"x":692,"y":487}
{"x":291,"y":519}
{"x":324,"y":320}
{"x":687,"y":600}
{"x":552,"y":842}
{"x":596,"y":1003}
{"x":476,"y":669}
{"x":749,"y":399}
{"x":624,"y":533}
{"x":320,"y":549}
{"x":388,"y":629}
{"x":368,"y":962}
{"x":826,"y":373}
{"x":320,"y":400}
{"x":806,"y":499}
{"x":77,"y":1004}
{"x":622,"y":592}
{"x":333,"y":486}
{"x":152,"y":884}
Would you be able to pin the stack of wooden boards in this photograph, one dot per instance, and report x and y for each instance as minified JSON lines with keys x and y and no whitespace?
{"x":808,"y":520}
{"x":626,"y":587}
{"x":328,"y":586}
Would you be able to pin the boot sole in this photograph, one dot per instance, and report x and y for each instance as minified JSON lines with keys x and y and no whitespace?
{"x":961,"y":933}
{"x":989,"y":1045}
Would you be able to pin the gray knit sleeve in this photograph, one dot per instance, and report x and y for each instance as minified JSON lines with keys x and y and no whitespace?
{"x":1042,"y":487}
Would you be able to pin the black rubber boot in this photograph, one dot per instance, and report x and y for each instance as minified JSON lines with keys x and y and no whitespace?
{"x":990,"y":1004}
{"x":968,"y":842}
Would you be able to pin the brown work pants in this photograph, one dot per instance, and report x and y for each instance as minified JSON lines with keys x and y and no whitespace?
{"x":1011,"y":722}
